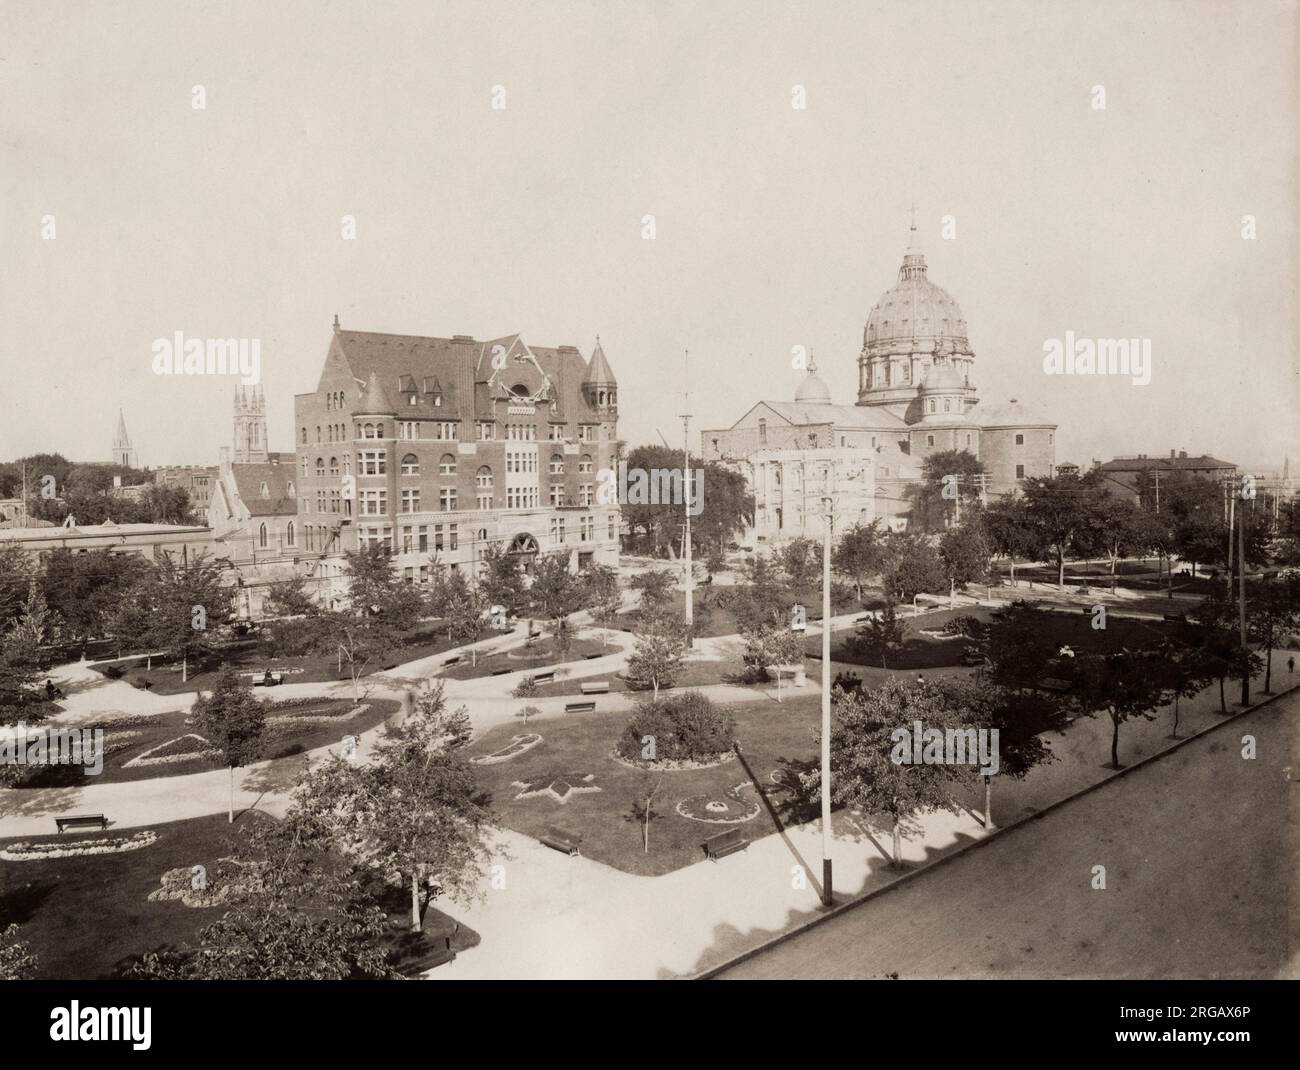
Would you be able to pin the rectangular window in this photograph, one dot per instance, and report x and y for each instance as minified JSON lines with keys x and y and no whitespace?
{"x":613,"y":527}
{"x":557,"y":494}
{"x":1020,"y":471}
{"x":588,"y":494}
{"x":557,"y":529}
{"x":588,"y":529}
{"x":408,"y":428}
{"x":373,"y":462}
{"x":1020,"y":440}
{"x":410,"y":500}
{"x":447,"y":431}
{"x":556,"y":433}
{"x":484,"y":501}
{"x":437,"y":537}
{"x":447,"y":499}
{"x":453,"y":536}
{"x":424,"y":538}
{"x":374,"y":502}
{"x":406,"y":540}
{"x":487,"y":431}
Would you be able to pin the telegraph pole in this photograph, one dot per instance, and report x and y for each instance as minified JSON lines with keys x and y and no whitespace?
{"x":686,"y":468}
{"x":828,"y":520}
{"x":1241,"y":588}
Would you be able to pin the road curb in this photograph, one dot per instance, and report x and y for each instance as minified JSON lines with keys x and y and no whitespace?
{"x":992,"y":837}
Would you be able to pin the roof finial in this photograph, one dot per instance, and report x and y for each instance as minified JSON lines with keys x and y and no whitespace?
{"x":914,"y":215}
{"x":812,"y":361}
{"x":336,"y":323}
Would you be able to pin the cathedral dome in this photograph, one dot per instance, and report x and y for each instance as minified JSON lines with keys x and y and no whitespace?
{"x":813,"y":390}
{"x":915,"y":309}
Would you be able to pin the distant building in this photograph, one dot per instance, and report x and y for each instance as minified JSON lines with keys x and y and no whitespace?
{"x":915,"y":398}
{"x":788,"y":488}
{"x":1067,"y":468}
{"x":123,"y":451}
{"x":437,"y":448}
{"x":148,"y":540}
{"x":1125,"y":476}
{"x":197,"y":480}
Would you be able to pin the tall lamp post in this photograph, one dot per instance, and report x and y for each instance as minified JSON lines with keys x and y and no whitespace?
{"x":828,"y":521}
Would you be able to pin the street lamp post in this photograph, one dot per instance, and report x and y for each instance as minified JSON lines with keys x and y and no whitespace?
{"x":828,"y":520}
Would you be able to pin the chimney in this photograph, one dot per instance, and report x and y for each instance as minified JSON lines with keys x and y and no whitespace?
{"x":1172,"y":455}
{"x":463,"y":383}
{"x":1182,"y":454}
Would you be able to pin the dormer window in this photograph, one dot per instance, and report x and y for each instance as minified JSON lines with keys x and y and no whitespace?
{"x":266,"y":491}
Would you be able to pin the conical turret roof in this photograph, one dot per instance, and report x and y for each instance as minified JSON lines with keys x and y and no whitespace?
{"x":599,"y":372}
{"x":374,"y":402}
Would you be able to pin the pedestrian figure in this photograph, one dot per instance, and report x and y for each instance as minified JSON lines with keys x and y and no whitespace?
{"x":1290,"y":663}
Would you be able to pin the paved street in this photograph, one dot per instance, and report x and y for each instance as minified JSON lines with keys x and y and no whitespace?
{"x":1200,"y":850}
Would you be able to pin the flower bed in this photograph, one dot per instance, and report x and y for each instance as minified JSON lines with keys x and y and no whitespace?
{"x":726,"y":809}
{"x":174,"y":750}
{"x":675,"y":765}
{"x":30,"y":852}
{"x":513,"y":749}
{"x":318,"y":718}
{"x":230,"y":881}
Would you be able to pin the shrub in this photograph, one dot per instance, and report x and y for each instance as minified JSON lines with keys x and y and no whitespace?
{"x":114,"y":672}
{"x":685,"y":727}
{"x":527,"y":688}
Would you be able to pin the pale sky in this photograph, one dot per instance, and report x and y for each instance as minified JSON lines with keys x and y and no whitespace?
{"x":775,"y":227}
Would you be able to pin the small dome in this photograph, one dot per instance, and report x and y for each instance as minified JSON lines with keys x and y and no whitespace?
{"x":943,"y":377}
{"x":813,"y":391}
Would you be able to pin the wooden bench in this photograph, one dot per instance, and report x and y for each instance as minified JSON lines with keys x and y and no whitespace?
{"x":724,"y":844}
{"x":451,"y":661}
{"x":595,"y":687}
{"x":1177,"y":618}
{"x":501,"y":672}
{"x":260,"y":679}
{"x":592,"y":657}
{"x":559,"y":840}
{"x":82,"y":820}
{"x":579,"y":707}
{"x":1052,"y":683}
{"x":544,"y":677}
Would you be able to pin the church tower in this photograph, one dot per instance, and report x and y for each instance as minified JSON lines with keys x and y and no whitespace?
{"x":123,"y":454}
{"x":250,"y":425}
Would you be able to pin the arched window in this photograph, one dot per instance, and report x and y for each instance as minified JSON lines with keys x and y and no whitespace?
{"x":557,"y":465}
{"x":288,"y":533}
{"x":320,"y":466}
{"x":585,"y":466}
{"x":447,"y":465}
{"x":334,"y":466}
{"x":483,"y":478}
{"x":410,"y":465}
{"x":947,"y":404}
{"x":932,"y":404}
{"x":261,"y":536}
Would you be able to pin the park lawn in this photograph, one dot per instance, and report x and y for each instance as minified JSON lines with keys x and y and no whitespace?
{"x":693,"y":674}
{"x":165,"y":676}
{"x":89,"y":917}
{"x":771,"y":736}
{"x":1071,"y":628}
{"x":158,"y":729}
{"x":715,"y":620}
{"x":542,"y":653}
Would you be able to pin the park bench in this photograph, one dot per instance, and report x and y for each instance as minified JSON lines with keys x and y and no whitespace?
{"x":1054,"y":683}
{"x":82,"y":821}
{"x":451,"y":661}
{"x":559,"y":840}
{"x":724,"y":844}
{"x":543,"y":677}
{"x":1178,"y":618}
{"x":501,"y":672}
{"x":592,"y":657}
{"x":580,"y":707}
{"x":595,"y":687}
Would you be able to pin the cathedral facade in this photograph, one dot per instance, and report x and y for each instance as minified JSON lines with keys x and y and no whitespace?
{"x":916,"y":396}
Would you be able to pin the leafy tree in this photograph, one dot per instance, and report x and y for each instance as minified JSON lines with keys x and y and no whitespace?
{"x":767,"y":648}
{"x":911,"y":567}
{"x":526,"y":688}
{"x":864,"y":775}
{"x":1118,"y":531}
{"x":1272,"y":613}
{"x":1151,"y":533}
{"x":16,"y":573}
{"x":1010,"y":532}
{"x":376,"y":590}
{"x":1127,"y":685}
{"x":859,"y":554}
{"x":879,"y":635}
{"x":801,"y":561}
{"x":84,"y":588}
{"x":656,"y":587}
{"x":1220,"y":648}
{"x":1183,"y":673}
{"x":557,"y":592}
{"x":299,"y":914}
{"x":604,"y":595}
{"x":233,"y":722}
{"x":657,"y":655}
{"x":19,"y":670}
{"x":1017,"y":647}
{"x":187,"y":599}
{"x":415,"y":811}
{"x":762,"y":600}
{"x":728,"y":508}
{"x":964,"y":554}
{"x":17,"y":963}
{"x":643,"y":805}
{"x":459,"y":603}
{"x":931,"y":509}
{"x":501,"y":580}
{"x":1062,"y":513}
{"x":289,"y":598}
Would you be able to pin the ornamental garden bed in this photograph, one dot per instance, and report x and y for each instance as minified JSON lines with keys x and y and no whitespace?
{"x":143,"y":747}
{"x":89,"y":916}
{"x":542,"y":653}
{"x":165,"y":676}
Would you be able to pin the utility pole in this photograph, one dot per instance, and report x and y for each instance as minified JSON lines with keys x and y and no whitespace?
{"x":1232,"y":519}
{"x":686,"y":467}
{"x":1241,"y":588}
{"x":1156,"y":473}
{"x":828,"y":521}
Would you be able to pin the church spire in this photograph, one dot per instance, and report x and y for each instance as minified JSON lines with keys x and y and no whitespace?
{"x":123,"y":454}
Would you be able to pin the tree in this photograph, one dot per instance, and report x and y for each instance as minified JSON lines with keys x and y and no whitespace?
{"x":83,"y":588}
{"x":1220,"y":649}
{"x":801,"y":561}
{"x":767,"y":648}
{"x":728,"y":508}
{"x":864,"y":775}
{"x":762,"y":600}
{"x":289,"y":598}
{"x":17,"y":963}
{"x":964,"y":554}
{"x":656,"y":586}
{"x":643,"y":811}
{"x":16,"y":574}
{"x":947,"y":478}
{"x":501,"y":580}
{"x":296,"y":913}
{"x":233,"y":722}
{"x":1010,"y":532}
{"x":460,"y":604}
{"x":186,"y":599}
{"x":604,"y":595}
{"x":18,"y":673}
{"x":376,"y":590}
{"x":1117,"y":531}
{"x":1272,"y":612}
{"x":1183,"y":673}
{"x":859,"y":554}
{"x":1062,"y":513}
{"x":879,"y":635}
{"x":1151,"y":533}
{"x":1127,"y":685}
{"x":413,"y":813}
{"x":657,"y":655}
{"x":1017,"y":647}
{"x":557,"y":592}
{"x":911,"y":567}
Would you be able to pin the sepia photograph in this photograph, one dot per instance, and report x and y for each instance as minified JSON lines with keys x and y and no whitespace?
{"x":563,"y":490}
